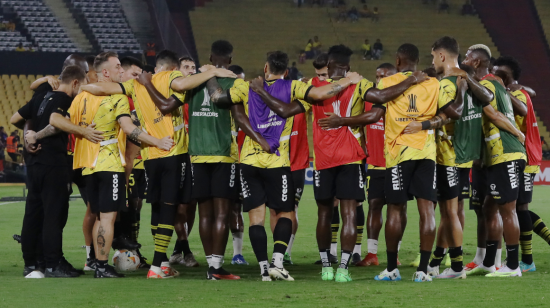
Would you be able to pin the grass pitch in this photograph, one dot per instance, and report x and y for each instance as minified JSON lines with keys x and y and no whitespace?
{"x":192,"y":290}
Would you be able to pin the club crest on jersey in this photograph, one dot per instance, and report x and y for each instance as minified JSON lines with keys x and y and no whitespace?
{"x":412,"y":103}
{"x":206,"y":101}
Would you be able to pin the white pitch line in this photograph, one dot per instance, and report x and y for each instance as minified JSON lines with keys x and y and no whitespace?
{"x":9,"y":202}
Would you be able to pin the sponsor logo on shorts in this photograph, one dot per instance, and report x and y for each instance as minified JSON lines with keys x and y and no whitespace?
{"x":361,"y":181}
{"x":285,"y":188}
{"x":527,"y":182}
{"x":115,"y":187}
{"x":514,"y":180}
{"x":493,"y":190}
{"x":182,"y":179}
{"x":452,"y":176}
{"x":317,"y":178}
{"x":244,"y":187}
{"x":435,"y":179}
{"x":232,"y":177}
{"x":396,"y":178}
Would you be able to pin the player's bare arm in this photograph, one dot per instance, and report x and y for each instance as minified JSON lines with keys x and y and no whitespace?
{"x":193,"y":81}
{"x":103,"y":88}
{"x":164,"y":104}
{"x":32,"y":136}
{"x":31,"y":148}
{"x":334,"y":121}
{"x":17,"y":120}
{"x":136,"y":134}
{"x":330,"y":90}
{"x":515,"y":87}
{"x":484,"y":95}
{"x":217,"y":95}
{"x":64,"y":124}
{"x":241,"y":119}
{"x":54,"y":82}
{"x":502,"y":122}
{"x":377,"y":96}
{"x":520,"y":108}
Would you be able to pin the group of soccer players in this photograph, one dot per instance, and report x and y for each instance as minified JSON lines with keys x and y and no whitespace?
{"x":182,"y":139}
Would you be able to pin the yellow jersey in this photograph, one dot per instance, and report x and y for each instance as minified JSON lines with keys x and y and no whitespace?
{"x":252,"y":153}
{"x":494,"y":152}
{"x":418,"y":103}
{"x":152,"y":120}
{"x":104,"y":112}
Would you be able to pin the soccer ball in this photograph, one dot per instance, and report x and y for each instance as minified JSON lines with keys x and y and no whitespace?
{"x":126,"y":260}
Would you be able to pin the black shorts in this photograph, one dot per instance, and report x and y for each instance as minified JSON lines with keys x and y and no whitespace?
{"x":376,"y":185}
{"x":215,"y":180}
{"x":464,"y":182}
{"x":106,"y":191}
{"x":503,"y":180}
{"x":525,"y":195}
{"x":409,"y":179}
{"x":479,"y":188}
{"x":273,"y":187}
{"x":448,"y":183}
{"x":169,"y":179}
{"x":342,"y":182}
{"x":299,"y":179}
{"x":137,"y":188}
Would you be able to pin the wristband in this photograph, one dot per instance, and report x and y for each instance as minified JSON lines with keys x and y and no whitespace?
{"x":426,"y":125}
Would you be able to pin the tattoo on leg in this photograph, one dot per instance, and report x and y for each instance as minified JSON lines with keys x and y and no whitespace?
{"x":135,"y":134}
{"x":101,"y":240}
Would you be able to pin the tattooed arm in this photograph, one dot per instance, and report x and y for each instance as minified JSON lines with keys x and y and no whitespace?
{"x":377,"y":96}
{"x":31,"y":136}
{"x":135,"y":133}
{"x":217,"y":95}
{"x":330,"y":90}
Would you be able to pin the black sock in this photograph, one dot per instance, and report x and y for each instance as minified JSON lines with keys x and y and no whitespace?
{"x":490,"y":253}
{"x":185,"y":247}
{"x":424,"y":259}
{"x":165,"y":229}
{"x":258,"y":240}
{"x":136,"y":226}
{"x":101,"y":265}
{"x":512,"y":256}
{"x":392,"y":260}
{"x":335,"y":225}
{"x":178,"y":248}
{"x":439,"y":253}
{"x":92,"y":252}
{"x":360,"y":224}
{"x":456,"y":258}
{"x":539,"y":227}
{"x":281,"y":235}
{"x":155,"y":215}
{"x":525,"y":236}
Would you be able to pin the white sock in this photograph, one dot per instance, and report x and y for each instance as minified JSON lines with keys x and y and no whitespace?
{"x":372,"y":246}
{"x":263,"y":267}
{"x":480,"y":255}
{"x":216,"y":261}
{"x":277,"y":259}
{"x":398,"y":245}
{"x":88,"y":252}
{"x":237,"y":243}
{"x":344,"y":260}
{"x":209,"y":260}
{"x":445,"y":250}
{"x":324,"y":258}
{"x":333,"y":248}
{"x":289,"y":247}
{"x":357,"y":249}
{"x":498,"y":258}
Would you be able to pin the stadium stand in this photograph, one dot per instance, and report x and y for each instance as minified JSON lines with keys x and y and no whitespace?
{"x":14,"y":93}
{"x":288,"y":28}
{"x":105,"y":24}
{"x":10,"y":40}
{"x":40,"y":25}
{"x":543,"y":10}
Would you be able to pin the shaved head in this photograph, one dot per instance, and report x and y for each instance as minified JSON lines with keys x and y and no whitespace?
{"x":76,"y":60}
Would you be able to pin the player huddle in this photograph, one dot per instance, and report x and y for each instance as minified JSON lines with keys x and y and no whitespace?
{"x":420,"y":136}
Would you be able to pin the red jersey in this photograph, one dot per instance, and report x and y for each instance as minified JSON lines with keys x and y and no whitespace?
{"x":533,"y":145}
{"x":375,"y":141}
{"x":299,"y":146}
{"x":337,"y":146}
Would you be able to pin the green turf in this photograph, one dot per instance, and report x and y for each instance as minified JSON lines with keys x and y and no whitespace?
{"x":192,"y":290}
